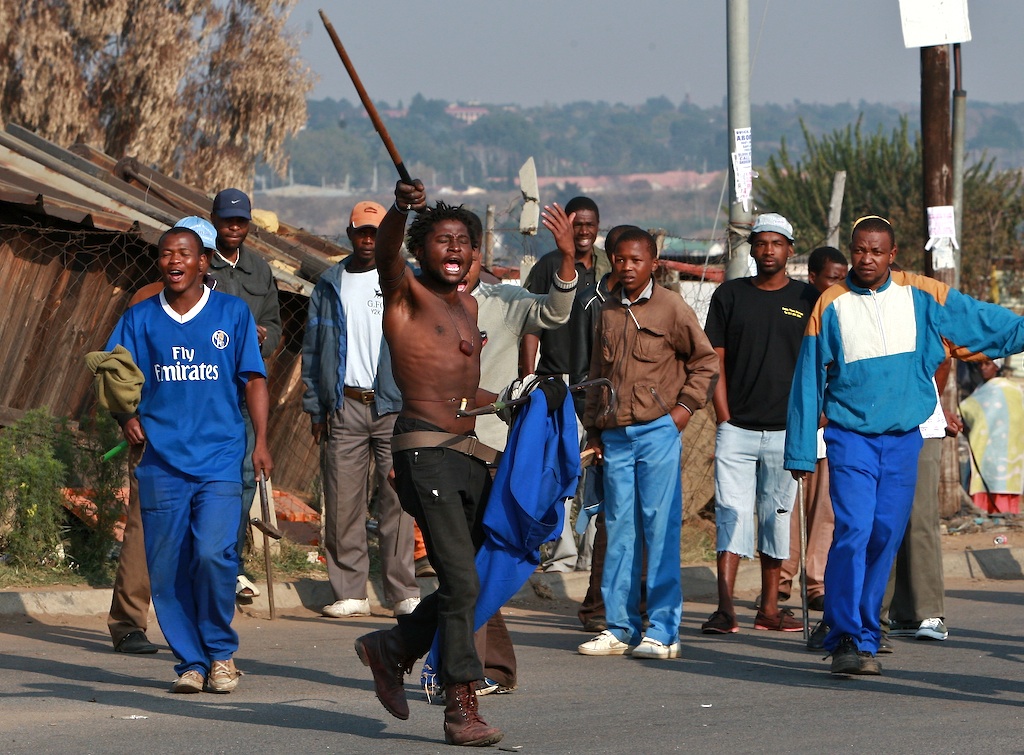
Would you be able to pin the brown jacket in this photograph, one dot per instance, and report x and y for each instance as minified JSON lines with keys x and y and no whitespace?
{"x":656,"y":355}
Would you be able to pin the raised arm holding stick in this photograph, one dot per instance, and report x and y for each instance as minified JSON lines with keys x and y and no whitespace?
{"x":440,"y":476}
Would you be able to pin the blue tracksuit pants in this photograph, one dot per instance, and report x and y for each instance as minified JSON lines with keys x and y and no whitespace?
{"x":871,"y":480}
{"x":191,"y":530}
{"x":643,"y":504}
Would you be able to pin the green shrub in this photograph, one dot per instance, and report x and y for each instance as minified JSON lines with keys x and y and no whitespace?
{"x":31,"y":502}
{"x":90,"y":548}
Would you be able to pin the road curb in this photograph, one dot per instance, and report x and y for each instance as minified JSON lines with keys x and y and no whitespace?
{"x":699,"y":582}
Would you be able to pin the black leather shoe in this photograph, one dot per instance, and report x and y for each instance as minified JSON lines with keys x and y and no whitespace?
{"x":595,"y":624}
{"x":136,"y":643}
{"x":817,"y":639}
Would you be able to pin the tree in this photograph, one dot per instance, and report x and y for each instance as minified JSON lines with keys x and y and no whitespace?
{"x":202,"y":89}
{"x":883,"y":177}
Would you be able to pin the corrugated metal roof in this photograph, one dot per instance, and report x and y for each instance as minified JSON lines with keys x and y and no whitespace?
{"x":87,"y":187}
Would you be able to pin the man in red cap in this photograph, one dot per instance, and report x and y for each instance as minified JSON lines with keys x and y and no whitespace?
{"x":352,"y":401}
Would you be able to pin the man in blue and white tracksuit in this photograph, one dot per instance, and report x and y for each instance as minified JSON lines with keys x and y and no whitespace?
{"x":867,"y":359}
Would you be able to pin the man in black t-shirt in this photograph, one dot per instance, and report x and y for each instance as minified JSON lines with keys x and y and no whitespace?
{"x":756,"y":326}
{"x":565,"y":350}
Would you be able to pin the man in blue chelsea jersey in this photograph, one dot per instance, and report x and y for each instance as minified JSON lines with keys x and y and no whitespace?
{"x":199,"y":353}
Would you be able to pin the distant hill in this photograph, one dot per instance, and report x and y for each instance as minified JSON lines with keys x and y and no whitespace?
{"x":474,"y":144}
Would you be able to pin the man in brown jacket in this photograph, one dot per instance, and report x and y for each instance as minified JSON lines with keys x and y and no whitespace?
{"x":652,"y":348}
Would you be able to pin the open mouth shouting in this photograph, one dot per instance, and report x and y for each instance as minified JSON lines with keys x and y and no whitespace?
{"x":175,"y":274}
{"x":453,"y":267}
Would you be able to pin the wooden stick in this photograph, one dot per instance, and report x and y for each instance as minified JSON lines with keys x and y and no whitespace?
{"x":802,"y":512}
{"x":367,"y":102}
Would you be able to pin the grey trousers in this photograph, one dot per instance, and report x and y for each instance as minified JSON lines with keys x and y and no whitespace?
{"x":354,"y":432}
{"x":917,"y":585}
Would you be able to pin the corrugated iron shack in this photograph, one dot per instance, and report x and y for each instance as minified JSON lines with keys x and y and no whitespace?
{"x":77,"y":238}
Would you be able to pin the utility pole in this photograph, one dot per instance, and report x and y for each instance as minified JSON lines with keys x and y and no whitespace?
{"x":959,"y":136}
{"x":939,"y":179}
{"x":937,"y":142}
{"x":740,"y":201}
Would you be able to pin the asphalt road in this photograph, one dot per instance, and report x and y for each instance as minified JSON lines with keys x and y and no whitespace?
{"x":62,"y":690}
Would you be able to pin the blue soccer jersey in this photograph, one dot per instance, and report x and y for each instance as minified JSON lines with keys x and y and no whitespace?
{"x":196,"y":366}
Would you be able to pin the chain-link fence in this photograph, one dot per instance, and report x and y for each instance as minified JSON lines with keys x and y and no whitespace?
{"x":65,"y":288}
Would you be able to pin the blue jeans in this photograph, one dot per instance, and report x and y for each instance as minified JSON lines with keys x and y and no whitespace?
{"x":872,"y":480}
{"x":190,"y":531}
{"x":643,"y":504}
{"x":750,"y":478}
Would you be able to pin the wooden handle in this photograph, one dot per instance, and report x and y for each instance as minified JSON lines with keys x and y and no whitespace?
{"x":367,"y":102}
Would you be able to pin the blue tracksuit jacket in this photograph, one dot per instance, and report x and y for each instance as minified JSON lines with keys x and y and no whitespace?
{"x":868,"y":357}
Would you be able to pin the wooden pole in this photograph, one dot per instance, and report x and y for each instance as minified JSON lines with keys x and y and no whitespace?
{"x":936,"y":133}
{"x":835,"y":207}
{"x":371,"y":109}
{"x":937,"y":140}
{"x":489,"y":237}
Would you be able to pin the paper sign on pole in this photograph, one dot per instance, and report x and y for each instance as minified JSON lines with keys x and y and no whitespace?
{"x":928,"y":23}
{"x":942,"y":237}
{"x":742,"y":168}
{"x":941,"y":222}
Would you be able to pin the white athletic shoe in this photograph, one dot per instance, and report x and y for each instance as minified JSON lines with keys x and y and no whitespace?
{"x":932,"y":629}
{"x":343,"y":609}
{"x":651,"y":648}
{"x":605,"y":643}
{"x":405,"y":607}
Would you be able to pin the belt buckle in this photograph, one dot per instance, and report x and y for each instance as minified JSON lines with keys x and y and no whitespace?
{"x":366,"y":397}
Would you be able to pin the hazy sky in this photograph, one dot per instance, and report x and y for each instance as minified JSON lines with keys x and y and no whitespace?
{"x":532,"y":52}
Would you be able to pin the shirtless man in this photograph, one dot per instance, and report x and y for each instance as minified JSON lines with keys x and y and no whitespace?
{"x":440,"y":478}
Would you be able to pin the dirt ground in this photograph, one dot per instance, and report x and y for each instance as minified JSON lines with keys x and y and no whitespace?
{"x":980,"y":533}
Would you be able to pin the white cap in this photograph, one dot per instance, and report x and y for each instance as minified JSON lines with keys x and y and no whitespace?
{"x":772,"y":222}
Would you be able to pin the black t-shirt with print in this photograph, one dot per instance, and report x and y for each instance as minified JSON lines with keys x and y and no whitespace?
{"x":761,"y":332}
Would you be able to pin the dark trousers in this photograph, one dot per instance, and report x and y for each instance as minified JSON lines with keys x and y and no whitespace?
{"x":129,"y":604}
{"x":445,"y":492}
{"x":248,"y":488}
{"x":495,"y":650}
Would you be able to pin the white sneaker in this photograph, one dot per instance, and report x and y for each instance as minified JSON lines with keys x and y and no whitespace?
{"x":651,"y":648}
{"x":605,"y":643}
{"x":932,"y":629}
{"x":343,"y":609}
{"x":244,"y":587}
{"x":405,"y":607}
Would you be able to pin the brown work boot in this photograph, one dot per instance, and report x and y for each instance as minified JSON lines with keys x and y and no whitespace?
{"x":387,"y":660}
{"x":462,"y":723}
